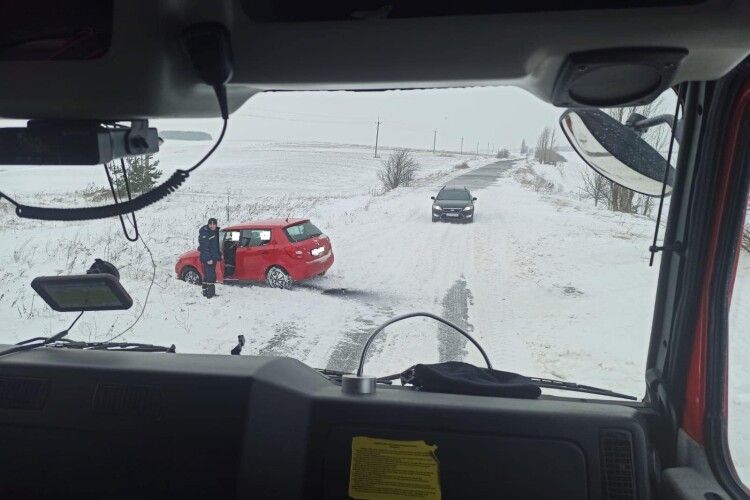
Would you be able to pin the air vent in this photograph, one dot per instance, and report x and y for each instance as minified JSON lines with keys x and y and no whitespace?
{"x":127,"y":399}
{"x":22,"y":393}
{"x":618,"y":469}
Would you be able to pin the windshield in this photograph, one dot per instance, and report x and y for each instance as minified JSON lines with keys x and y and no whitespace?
{"x":454,"y":194}
{"x":548,"y":270}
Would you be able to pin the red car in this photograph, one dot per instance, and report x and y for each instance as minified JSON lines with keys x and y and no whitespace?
{"x":277,"y":251}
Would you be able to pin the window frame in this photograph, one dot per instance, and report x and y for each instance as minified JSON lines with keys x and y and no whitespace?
{"x":737,"y":155}
{"x":686,"y":370}
{"x":268,"y":242}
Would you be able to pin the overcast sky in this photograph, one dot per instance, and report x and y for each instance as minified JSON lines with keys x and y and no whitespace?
{"x":500,"y":116}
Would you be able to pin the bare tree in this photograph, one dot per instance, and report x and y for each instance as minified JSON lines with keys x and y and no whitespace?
{"x":545,"y":147}
{"x":398,"y":170}
{"x":524,"y":148}
{"x":644,"y":204}
{"x":595,"y":186}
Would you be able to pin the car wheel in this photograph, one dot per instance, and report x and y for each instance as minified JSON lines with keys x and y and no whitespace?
{"x":190,"y":275}
{"x":276,"y":277}
{"x":435,"y":219}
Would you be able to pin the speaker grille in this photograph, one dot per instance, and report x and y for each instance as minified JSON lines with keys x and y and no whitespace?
{"x":618,"y":469}
{"x":127,"y":399}
{"x":23,"y":393}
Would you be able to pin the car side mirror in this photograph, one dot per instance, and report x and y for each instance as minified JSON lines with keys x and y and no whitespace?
{"x":617,"y":151}
{"x":474,"y":199}
{"x":432,"y":197}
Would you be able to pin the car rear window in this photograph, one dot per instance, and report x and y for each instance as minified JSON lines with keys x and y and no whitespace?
{"x":303,"y":231}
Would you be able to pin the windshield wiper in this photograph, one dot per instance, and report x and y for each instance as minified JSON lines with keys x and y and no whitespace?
{"x":541,"y":382}
{"x":572,"y":386}
{"x":27,"y":345}
{"x":111,"y":346}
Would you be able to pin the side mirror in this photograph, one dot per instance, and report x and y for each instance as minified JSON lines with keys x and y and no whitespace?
{"x":432,"y":197}
{"x":617,"y":151}
{"x":474,"y":199}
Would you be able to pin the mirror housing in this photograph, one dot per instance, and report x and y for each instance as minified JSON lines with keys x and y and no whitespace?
{"x":617,"y":151}
{"x":474,"y":199}
{"x":432,"y":197}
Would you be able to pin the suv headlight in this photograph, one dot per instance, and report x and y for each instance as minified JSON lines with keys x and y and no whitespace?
{"x":466,"y":209}
{"x":436,"y":207}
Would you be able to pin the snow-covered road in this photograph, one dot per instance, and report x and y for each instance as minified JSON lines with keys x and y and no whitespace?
{"x":447,"y":253}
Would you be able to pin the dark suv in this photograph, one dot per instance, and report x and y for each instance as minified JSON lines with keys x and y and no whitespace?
{"x":453,"y":203}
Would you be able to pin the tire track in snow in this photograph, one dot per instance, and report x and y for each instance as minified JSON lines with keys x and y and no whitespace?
{"x":452,"y":345}
{"x":285,"y":342}
{"x":346,"y":353}
{"x":458,"y":298}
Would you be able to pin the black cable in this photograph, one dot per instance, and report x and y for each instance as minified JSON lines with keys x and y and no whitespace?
{"x":413,"y":315}
{"x":210,"y":151}
{"x":654,"y":248}
{"x":134,"y":223}
{"x":148,"y":293}
{"x":26,"y":345}
{"x":139,"y":202}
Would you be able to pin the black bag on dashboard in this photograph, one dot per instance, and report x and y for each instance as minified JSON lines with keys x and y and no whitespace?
{"x":455,"y":377}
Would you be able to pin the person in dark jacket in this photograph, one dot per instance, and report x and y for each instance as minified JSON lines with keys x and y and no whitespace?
{"x":210,"y":255}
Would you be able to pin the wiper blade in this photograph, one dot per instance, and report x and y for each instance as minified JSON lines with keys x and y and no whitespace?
{"x":112,"y":346}
{"x":29,"y":344}
{"x":572,"y":386}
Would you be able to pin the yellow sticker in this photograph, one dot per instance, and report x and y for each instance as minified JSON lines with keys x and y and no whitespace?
{"x":388,"y":469}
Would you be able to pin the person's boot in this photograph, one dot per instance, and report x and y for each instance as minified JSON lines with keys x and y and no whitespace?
{"x":204,"y":292}
{"x":210,"y":291}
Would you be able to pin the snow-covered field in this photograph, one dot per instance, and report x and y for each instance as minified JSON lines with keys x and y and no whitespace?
{"x":548,"y":283}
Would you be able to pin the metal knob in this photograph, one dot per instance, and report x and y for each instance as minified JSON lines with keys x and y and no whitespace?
{"x":358,"y":384}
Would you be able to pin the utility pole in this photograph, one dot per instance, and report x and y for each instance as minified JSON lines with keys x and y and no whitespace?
{"x":462,"y":145}
{"x":477,"y":147}
{"x":434,"y":141}
{"x":377,"y":134}
{"x":488,"y":147}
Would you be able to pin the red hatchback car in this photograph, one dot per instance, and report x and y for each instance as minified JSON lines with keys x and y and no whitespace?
{"x":277,"y":251}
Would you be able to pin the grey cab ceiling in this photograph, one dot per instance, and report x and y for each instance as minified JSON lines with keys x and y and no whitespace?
{"x":125,"y":59}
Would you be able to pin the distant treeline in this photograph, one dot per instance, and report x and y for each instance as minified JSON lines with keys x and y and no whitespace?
{"x":184,"y":135}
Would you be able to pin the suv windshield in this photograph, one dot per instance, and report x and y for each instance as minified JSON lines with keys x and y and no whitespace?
{"x":551,"y":275}
{"x":454,"y":194}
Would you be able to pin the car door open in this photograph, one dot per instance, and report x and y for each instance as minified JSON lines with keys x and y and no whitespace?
{"x":252,"y":254}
